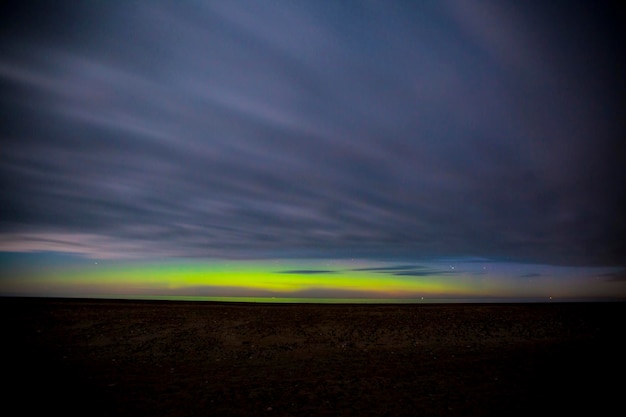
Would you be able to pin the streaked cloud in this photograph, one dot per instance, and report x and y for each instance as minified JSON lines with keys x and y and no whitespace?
{"x":246,"y":130}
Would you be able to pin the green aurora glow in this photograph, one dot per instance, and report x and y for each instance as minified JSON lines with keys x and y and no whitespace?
{"x":303,"y":280}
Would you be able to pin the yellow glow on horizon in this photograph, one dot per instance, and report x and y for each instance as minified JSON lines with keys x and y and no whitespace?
{"x":300,"y":279}
{"x":189,"y":278}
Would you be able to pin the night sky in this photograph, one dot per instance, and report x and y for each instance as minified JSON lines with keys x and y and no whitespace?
{"x":334,"y":149}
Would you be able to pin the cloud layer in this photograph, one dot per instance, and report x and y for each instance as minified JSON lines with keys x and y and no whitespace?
{"x":276,"y":129}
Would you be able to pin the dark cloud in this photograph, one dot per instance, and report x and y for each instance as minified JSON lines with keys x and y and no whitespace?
{"x":246,"y":129}
{"x":424,"y":273}
{"x":387,"y":269}
{"x":233,"y":291}
{"x":306,"y":271}
{"x":338,"y":293}
{"x":407,"y":270}
{"x":616,"y":276}
{"x":531,"y":275}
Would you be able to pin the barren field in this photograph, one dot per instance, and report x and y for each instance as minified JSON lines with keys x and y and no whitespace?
{"x":148,"y":358}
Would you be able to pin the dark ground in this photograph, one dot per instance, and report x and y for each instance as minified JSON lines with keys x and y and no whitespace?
{"x":145,"y":358}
